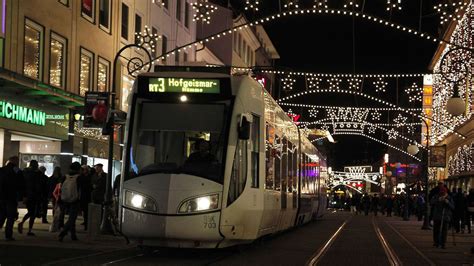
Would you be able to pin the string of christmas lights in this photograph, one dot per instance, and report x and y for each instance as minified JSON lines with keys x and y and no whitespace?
{"x":337,"y":107}
{"x":252,"y":5}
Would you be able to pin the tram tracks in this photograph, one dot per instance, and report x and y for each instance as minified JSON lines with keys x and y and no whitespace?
{"x":393,"y":259}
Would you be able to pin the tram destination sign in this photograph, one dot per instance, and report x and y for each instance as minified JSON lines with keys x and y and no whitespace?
{"x":184,"y":85}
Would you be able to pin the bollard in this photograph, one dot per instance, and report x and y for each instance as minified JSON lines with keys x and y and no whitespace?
{"x":93,"y":223}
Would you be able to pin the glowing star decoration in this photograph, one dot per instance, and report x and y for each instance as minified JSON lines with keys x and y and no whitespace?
{"x":325,"y":127}
{"x":292,"y":4}
{"x":400,"y":120}
{"x":252,"y":5}
{"x":380,"y":85}
{"x":415,"y":93}
{"x":313,"y":113}
{"x":313,"y":82}
{"x":203,"y":11}
{"x":320,"y":4}
{"x":354,"y":83}
{"x":334,"y":83}
{"x":371,"y":129}
{"x":376,"y":115}
{"x":410,"y":129}
{"x":293,"y":116}
{"x":147,"y":39}
{"x":394,"y":5}
{"x":450,"y":11}
{"x":352,"y":4}
{"x":287,"y":83}
{"x":392,"y":134}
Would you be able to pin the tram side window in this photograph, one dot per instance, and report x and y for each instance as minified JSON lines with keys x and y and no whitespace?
{"x":255,"y":145}
{"x":295,"y":169}
{"x":277,"y":170}
{"x":269,"y":158}
{"x":305,"y":174}
{"x":239,"y":171}
{"x":290,"y":167}
{"x":284,"y":166}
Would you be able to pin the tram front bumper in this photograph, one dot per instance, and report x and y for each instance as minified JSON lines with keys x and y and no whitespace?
{"x":197,"y":230}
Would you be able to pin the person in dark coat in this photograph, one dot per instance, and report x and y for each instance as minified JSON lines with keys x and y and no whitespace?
{"x":460,"y":206}
{"x":470,"y":210}
{"x":11,"y":185}
{"x":43,"y":203}
{"x":71,"y":204}
{"x":32,"y":197}
{"x":53,"y":180}
{"x":365,"y":202}
{"x":389,"y":205}
{"x":99,"y":183}
{"x":443,"y":208}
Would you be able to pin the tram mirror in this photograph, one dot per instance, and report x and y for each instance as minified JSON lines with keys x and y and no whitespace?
{"x":244,"y":127}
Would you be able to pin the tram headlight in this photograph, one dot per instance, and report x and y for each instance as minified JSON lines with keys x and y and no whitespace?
{"x":139,"y":201}
{"x":199,"y":204}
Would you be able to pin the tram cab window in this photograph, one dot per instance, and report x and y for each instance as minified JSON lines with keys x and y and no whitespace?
{"x":178,"y":139}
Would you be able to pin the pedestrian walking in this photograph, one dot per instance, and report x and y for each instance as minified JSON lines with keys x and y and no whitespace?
{"x":389,"y":205}
{"x":32,"y":197}
{"x":375,"y":204}
{"x":365,"y":201}
{"x":70,"y":198}
{"x":443,"y":208}
{"x":99,"y":184}
{"x":43,"y":202}
{"x":11,"y":185}
{"x":55,"y":179}
{"x":460,"y":207}
{"x":86,"y":190}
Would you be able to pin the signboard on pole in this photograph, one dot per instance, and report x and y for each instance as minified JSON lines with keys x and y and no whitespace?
{"x":437,"y":156}
{"x":96,"y":108}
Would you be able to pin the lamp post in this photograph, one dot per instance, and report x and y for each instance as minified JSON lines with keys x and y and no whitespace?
{"x":413,"y":149}
{"x":134,"y":65}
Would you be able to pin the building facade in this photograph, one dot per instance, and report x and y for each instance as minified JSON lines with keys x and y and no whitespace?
{"x":54,"y":52}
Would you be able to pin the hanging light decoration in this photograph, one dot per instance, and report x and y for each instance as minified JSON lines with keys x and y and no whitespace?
{"x":354,"y":83}
{"x":376,"y":115}
{"x":252,"y":5}
{"x":394,"y":5}
{"x":292,"y":4}
{"x":287,"y":83}
{"x":380,"y":85}
{"x":414,"y":92}
{"x":400,"y":120}
{"x":450,"y":11}
{"x":313,"y":113}
{"x":334,"y":83}
{"x":392,"y":134}
{"x":313,"y":82}
{"x":352,"y":4}
{"x":320,"y":4}
{"x":203,"y":11}
{"x":147,"y":39}
{"x":371,"y":129}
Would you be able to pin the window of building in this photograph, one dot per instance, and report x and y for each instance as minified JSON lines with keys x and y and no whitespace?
{"x":138,"y":27}
{"x":88,"y":10}
{"x":178,"y":10}
{"x":124,"y":21}
{"x":57,"y":60}
{"x":85,"y":71}
{"x":187,"y":11}
{"x":164,"y":46}
{"x":255,"y":147}
{"x":185,"y":57}
{"x":104,"y":14}
{"x":64,"y":2}
{"x":33,"y":50}
{"x":103,"y":67}
{"x":154,"y":32}
{"x":165,"y":3}
{"x":127,"y":84}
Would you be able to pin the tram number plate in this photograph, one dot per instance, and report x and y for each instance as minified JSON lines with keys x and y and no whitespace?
{"x":209,"y":222}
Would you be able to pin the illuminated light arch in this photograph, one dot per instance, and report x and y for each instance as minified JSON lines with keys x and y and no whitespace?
{"x":340,"y":12}
{"x":371,"y":98}
{"x":337,"y":107}
{"x":365,"y":123}
{"x":372,"y":138}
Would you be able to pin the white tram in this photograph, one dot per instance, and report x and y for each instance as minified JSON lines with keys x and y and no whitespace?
{"x":211,"y":160}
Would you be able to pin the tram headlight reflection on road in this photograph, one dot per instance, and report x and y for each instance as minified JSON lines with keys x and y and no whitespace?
{"x":139,"y":201}
{"x":199,"y":204}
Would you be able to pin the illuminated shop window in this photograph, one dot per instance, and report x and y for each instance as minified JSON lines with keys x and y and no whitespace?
{"x":57,"y":60}
{"x":126,"y":89}
{"x":103,"y":75}
{"x":33,"y":52}
{"x":85,"y":73}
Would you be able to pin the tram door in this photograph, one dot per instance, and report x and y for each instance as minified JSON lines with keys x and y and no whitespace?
{"x":284,"y":174}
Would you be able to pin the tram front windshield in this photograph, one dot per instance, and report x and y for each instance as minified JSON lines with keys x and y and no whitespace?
{"x":178,"y":138}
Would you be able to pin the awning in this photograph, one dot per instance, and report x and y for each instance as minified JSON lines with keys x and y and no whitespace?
{"x":24,"y":86}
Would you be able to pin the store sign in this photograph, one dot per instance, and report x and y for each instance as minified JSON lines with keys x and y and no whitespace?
{"x":21,"y":113}
{"x":182,"y":85}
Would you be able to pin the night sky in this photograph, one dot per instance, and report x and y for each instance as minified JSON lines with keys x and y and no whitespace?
{"x":343,"y":44}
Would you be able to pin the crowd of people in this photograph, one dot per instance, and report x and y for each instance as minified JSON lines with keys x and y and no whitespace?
{"x":448,"y":209}
{"x":68,"y":193}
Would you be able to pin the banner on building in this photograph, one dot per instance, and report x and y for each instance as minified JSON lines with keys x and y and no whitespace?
{"x":437,"y":156}
{"x":96,"y":108}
